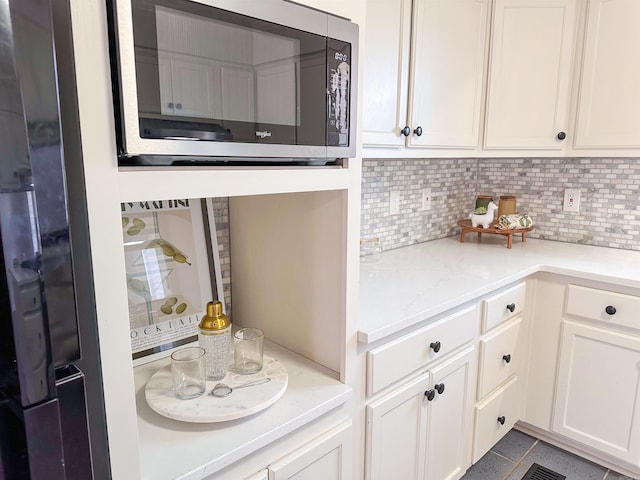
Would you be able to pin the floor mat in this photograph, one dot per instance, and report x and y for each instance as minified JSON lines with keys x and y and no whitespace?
{"x":538,"y":472}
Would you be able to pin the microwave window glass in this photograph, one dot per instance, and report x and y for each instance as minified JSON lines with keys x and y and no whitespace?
{"x":210,"y":74}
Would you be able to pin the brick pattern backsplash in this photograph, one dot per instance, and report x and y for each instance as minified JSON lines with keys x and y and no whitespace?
{"x":452,"y":183}
{"x":221,"y":215}
{"x":610,"y":197}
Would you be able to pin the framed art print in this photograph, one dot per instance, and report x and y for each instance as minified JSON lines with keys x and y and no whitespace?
{"x":168,"y":259}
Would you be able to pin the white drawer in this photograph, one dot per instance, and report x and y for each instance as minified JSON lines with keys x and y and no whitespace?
{"x":392,"y":361}
{"x":501,"y":355}
{"x":504,"y":406}
{"x":503,"y":306}
{"x":593,"y":303}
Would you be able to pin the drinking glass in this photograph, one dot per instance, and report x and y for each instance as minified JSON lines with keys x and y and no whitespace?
{"x":188,"y":372}
{"x":247,"y":345}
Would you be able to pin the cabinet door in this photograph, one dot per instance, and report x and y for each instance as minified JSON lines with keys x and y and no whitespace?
{"x":196,"y":84}
{"x":449,"y":432}
{"x":532,"y":46}
{"x":386,"y":71}
{"x":598,"y":390}
{"x":326,"y":458}
{"x":276,"y":94}
{"x":501,"y":355}
{"x":609,"y":101}
{"x":396,"y":433}
{"x":167,"y":107}
{"x":496,"y":415}
{"x":448,"y":58}
{"x":238,"y":94}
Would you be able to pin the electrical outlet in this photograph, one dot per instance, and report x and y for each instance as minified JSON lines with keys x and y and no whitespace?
{"x":571,"y":200}
{"x":394,"y":202}
{"x":426,"y":199}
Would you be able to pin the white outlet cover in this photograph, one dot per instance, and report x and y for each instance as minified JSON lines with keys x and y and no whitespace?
{"x":426,"y":199}
{"x":571,"y":200}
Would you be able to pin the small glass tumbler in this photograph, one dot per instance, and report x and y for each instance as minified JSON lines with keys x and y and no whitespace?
{"x":247,"y":347}
{"x":188,"y":372}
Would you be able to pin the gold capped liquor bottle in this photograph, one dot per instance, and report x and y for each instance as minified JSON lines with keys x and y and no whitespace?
{"x":214,"y":335}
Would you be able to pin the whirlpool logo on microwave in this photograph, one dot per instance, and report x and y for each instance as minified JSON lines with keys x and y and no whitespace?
{"x":264,"y":134}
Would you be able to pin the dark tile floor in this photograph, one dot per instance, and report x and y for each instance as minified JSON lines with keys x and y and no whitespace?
{"x":511,"y":457}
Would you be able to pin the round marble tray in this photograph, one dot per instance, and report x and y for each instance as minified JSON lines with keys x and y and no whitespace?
{"x":207,"y":408}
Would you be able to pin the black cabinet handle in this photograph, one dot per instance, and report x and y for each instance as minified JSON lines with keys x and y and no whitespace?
{"x":511,"y":307}
{"x":507,"y":357}
{"x":170,"y":104}
{"x":611,"y":310}
{"x":418,"y":131}
{"x":406,"y":131}
{"x":561,"y":136}
{"x":439,"y":388}
{"x":435,"y":346}
{"x":179,"y":106}
{"x":501,"y":420}
{"x":430,"y":394}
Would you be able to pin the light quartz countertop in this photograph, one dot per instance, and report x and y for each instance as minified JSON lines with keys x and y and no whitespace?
{"x":403,"y":287}
{"x":171,"y":449}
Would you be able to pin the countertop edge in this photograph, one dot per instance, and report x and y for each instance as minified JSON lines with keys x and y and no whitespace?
{"x":372,"y":336}
{"x":293,"y":424}
{"x":580,"y":261}
{"x":304,"y":402}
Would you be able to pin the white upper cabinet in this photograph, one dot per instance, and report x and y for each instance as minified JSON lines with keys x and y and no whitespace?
{"x":528,"y":95}
{"x":447,"y":70}
{"x":423,"y":72}
{"x":608,"y":113}
{"x":493,"y":78}
{"x":386,"y":72}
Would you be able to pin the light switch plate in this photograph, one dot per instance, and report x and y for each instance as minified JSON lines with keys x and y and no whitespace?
{"x":394,"y":202}
{"x":571,"y":200}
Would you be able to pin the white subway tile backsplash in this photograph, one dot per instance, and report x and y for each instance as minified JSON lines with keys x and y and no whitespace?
{"x":610,"y":197}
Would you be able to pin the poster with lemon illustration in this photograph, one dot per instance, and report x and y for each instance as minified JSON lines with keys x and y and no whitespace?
{"x":167,"y":273}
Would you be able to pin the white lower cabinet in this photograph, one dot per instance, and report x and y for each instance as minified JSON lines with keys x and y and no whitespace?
{"x":502,"y":363}
{"x":449,"y":432}
{"x":422,"y":430}
{"x":327,"y":457}
{"x":496,"y":415}
{"x":501,"y":355}
{"x":598,"y":390}
{"x":396,"y":433}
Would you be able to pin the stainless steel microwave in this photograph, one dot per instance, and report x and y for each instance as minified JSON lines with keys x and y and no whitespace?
{"x":232,"y":81}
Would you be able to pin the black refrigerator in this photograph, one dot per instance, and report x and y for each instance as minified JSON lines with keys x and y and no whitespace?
{"x":52,"y":422}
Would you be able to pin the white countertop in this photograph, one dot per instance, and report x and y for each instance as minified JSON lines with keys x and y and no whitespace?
{"x":170,"y":449}
{"x":408,"y":285}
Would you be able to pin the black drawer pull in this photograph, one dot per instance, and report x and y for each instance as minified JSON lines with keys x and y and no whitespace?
{"x":511,"y":307}
{"x":439,"y":388}
{"x":611,"y":310}
{"x":430,"y":394}
{"x":435,"y":346}
{"x":501,"y":420}
{"x":507,"y":357}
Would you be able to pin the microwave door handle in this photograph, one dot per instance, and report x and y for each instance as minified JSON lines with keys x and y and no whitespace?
{"x":328,"y":118}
